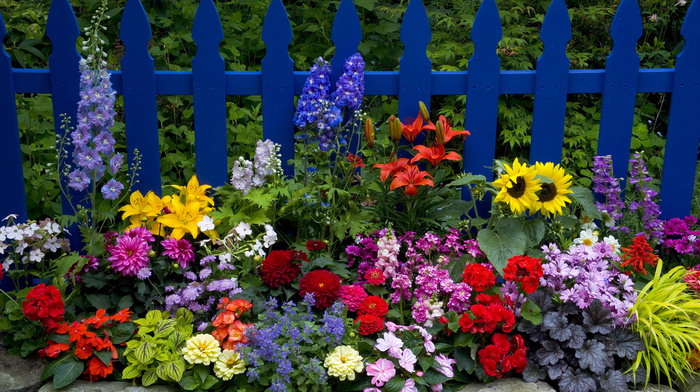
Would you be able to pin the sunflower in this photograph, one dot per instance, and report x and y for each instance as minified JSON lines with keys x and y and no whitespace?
{"x":552,"y":197}
{"x":518,"y":186}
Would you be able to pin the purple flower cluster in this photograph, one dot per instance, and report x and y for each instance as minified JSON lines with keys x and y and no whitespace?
{"x":314,"y":96}
{"x":640,"y":179}
{"x":678,"y":236}
{"x":130,"y":253}
{"x":199,"y":295}
{"x":350,"y":88}
{"x":605,"y":184}
{"x":246,"y":174}
{"x":94,"y":144}
{"x":583,"y":273}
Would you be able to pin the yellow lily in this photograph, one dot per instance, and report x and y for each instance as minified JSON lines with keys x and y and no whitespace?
{"x":182,"y":218}
{"x":194,"y":189}
{"x":137,"y":209}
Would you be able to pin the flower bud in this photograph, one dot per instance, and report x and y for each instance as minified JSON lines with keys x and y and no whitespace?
{"x":423,"y":111}
{"x":257,"y":258}
{"x":440,"y":133}
{"x":394,"y":129}
{"x":369,"y":132}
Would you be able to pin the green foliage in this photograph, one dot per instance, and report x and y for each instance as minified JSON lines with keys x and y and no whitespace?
{"x":666,"y":320}
{"x":155,"y":351}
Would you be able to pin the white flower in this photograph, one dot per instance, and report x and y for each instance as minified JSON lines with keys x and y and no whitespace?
{"x":270,"y":236}
{"x":258,"y":247}
{"x":680,"y":3}
{"x":20,"y":247}
{"x":52,"y":244}
{"x":6,"y":265}
{"x":36,"y":255}
{"x":206,"y":224}
{"x":692,"y":238}
{"x":13,"y":216}
{"x":612,"y":241}
{"x":225,"y":258}
{"x":2,"y":234}
{"x":586,"y":237}
{"x":3,"y":246}
{"x":242,"y":230}
{"x":14,"y":233}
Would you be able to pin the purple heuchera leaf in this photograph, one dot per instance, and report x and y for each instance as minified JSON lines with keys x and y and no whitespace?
{"x":533,"y":373}
{"x":558,"y":369}
{"x":557,"y":325}
{"x":597,"y":318}
{"x":592,"y":356}
{"x":579,"y":382}
{"x":578,"y":336}
{"x":550,"y":353}
{"x":613,"y":381}
{"x":623,"y":343}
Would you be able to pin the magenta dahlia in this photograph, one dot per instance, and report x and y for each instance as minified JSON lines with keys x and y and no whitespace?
{"x":129,"y":255}
{"x":179,"y":250}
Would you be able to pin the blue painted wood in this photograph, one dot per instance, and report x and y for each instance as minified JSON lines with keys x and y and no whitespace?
{"x":14,"y":200}
{"x":620,"y":90}
{"x":415,"y":67}
{"x":346,"y":36}
{"x":683,"y":136}
{"x":139,"y":88}
{"x":551,"y":86}
{"x":278,"y":82}
{"x":63,"y":31}
{"x":209,"y":87}
{"x":483,"y":83}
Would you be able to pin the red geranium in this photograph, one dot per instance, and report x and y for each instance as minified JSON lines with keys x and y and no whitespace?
{"x":370,"y":324}
{"x":323,"y":284}
{"x":279,"y":268}
{"x":44,"y":304}
{"x":315,"y":245}
{"x":524,"y":269}
{"x":96,"y":369}
{"x":375,"y":276}
{"x":485,"y":319}
{"x":356,"y":160}
{"x":638,"y":255}
{"x":479,"y":277}
{"x":373,"y":305}
{"x":509,"y":354}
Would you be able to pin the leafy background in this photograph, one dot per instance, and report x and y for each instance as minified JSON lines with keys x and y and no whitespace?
{"x":451,"y":21}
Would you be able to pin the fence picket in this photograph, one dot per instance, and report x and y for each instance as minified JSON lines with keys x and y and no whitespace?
{"x":278,"y":82}
{"x":415,"y":67}
{"x":139,"y":89}
{"x":11,"y":175}
{"x":483,"y":83}
{"x":209,"y":90}
{"x":683,"y":137}
{"x":551,"y":86}
{"x":63,"y":31}
{"x":346,"y":36}
{"x":620,"y":89}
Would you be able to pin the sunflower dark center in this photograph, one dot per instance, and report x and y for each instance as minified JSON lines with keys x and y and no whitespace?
{"x":518,"y":188}
{"x":548,"y":192}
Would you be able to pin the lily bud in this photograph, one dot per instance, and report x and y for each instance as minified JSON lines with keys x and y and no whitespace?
{"x":423,"y":111}
{"x":369,"y":132}
{"x":394,"y":129}
{"x":440,"y":132}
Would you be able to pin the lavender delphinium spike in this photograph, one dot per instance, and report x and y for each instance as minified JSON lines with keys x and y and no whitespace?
{"x":605,"y":184}
{"x":640,"y":179}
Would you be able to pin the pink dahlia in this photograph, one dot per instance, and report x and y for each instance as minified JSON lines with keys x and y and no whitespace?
{"x":129,"y":255}
{"x":180,"y":250}
{"x":352,"y":296}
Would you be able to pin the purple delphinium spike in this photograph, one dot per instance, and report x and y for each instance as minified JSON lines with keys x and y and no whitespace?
{"x":640,"y":179}
{"x":605,"y":184}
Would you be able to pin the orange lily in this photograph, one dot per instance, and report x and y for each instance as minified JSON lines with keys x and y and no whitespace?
{"x":434,"y":154}
{"x":449,"y":132}
{"x":356,"y":160}
{"x":412,"y":130}
{"x":411,"y":177}
{"x":391,"y":168}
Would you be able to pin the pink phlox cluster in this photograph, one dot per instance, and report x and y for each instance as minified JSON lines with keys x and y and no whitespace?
{"x":677,"y":235}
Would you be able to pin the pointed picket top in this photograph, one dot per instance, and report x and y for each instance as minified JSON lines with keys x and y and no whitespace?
{"x":415,"y":28}
{"x":486,"y":31}
{"x":691,"y":31}
{"x":277,"y":31}
{"x":207,"y":31}
{"x":3,"y":33}
{"x":135,"y":30}
{"x":556,"y":28}
{"x":62,"y":29}
{"x":346,"y":36}
{"x":626,"y":27}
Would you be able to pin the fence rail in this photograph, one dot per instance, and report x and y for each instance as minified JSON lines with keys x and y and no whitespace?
{"x":278,"y":83}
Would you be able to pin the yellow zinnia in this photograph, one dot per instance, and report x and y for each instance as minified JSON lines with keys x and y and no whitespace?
{"x":518,"y":186}
{"x":343,"y":363}
{"x":551,"y":199}
{"x":202,"y":348}
{"x":228,"y":364}
{"x":183,"y":218}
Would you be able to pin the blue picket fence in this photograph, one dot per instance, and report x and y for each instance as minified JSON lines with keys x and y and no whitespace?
{"x":278,"y":83}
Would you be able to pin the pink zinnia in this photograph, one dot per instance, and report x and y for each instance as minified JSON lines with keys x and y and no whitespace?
{"x":140,"y":232}
{"x":129,"y":255}
{"x":352,"y":296}
{"x":180,"y":250}
{"x":382,"y":371}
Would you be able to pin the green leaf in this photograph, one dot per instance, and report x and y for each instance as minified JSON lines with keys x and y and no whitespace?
{"x":395,"y":384}
{"x":177,"y":338}
{"x":366,"y":4}
{"x":59,"y":338}
{"x":534,"y":232}
{"x":131,"y":372}
{"x":531,"y":312}
{"x":468,"y":179}
{"x":100,"y":301}
{"x":149,"y":377}
{"x":104,"y":355}
{"x":173,"y":370}
{"x":201,"y":372}
{"x":121,"y":332}
{"x":188,"y":383}
{"x":144,"y":352}
{"x":164,"y":328}
{"x":50,"y":369}
{"x":125,"y":302}
{"x":426,"y":362}
{"x":464,"y":361}
{"x":64,"y":264}
{"x":463,"y":339}
{"x":584,"y":197}
{"x":209,"y":382}
{"x":432,"y":377}
{"x":184,"y":316}
{"x":501,"y":246}
{"x":67,"y":372}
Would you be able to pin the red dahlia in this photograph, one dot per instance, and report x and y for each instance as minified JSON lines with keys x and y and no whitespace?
{"x":279,"y":268}
{"x":374,"y":305}
{"x":315,"y":245}
{"x":524,"y":269}
{"x":375,"y":276}
{"x":479,"y":277}
{"x":324,"y":285}
{"x":370,"y":324}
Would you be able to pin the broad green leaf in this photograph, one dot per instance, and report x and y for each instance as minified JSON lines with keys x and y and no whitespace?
{"x":584,"y":197}
{"x":104,"y":355}
{"x":121,"y":332}
{"x":432,"y":377}
{"x":59,"y":338}
{"x":100,"y":301}
{"x":50,"y":369}
{"x":463,"y":339}
{"x":464,"y":361}
{"x":131,"y":372}
{"x":501,"y":246}
{"x":149,"y":378}
{"x":366,"y":4}
{"x":209,"y":382}
{"x":144,"y":352}
{"x":67,"y":372}
{"x":395,"y":384}
{"x":173,"y":370}
{"x":531,"y":312}
{"x":201,"y":372}
{"x":164,"y":328}
{"x":188,"y":383}
{"x":184,"y":316}
{"x":468,"y":179}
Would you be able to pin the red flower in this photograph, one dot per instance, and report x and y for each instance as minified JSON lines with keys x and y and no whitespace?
{"x":83,"y":349}
{"x":356,"y":160}
{"x":639,"y":254}
{"x":122,"y":315}
{"x":489,"y":357}
{"x":373,"y":305}
{"x":449,"y":132}
{"x":96,"y":369}
{"x":279,"y":268}
{"x":412,"y":130}
{"x":315,"y":245}
{"x":44,"y":304}
{"x":479,"y":277}
{"x":391,"y":168}
{"x":510,"y":354}
{"x":323,"y":284}
{"x":53,"y":349}
{"x":98,"y":319}
{"x":370,"y":324}
{"x":434,"y":154}
{"x":411,"y":177}
{"x":375,"y":276}
{"x":524,"y":269}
